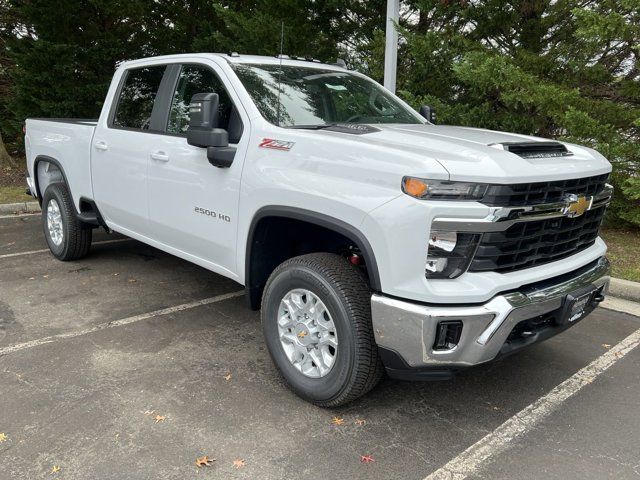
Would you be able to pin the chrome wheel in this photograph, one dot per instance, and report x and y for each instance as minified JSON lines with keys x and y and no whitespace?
{"x":54,"y":222}
{"x":307,"y":333}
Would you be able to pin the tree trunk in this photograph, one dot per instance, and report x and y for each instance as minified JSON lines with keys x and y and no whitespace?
{"x":5,"y":158}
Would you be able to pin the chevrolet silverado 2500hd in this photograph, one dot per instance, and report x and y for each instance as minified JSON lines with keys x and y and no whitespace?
{"x":370,"y":237}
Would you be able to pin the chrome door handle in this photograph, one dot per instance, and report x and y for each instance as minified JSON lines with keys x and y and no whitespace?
{"x":160,"y":156}
{"x":101,"y":145}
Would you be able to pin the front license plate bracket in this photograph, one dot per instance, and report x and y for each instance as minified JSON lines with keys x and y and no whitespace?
{"x":577,"y":304}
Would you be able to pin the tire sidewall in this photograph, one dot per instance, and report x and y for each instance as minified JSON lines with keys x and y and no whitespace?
{"x":332,"y":384}
{"x":53,"y":193}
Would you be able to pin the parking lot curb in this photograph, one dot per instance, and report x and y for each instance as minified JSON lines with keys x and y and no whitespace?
{"x":625,"y":289}
{"x":20,"y":207}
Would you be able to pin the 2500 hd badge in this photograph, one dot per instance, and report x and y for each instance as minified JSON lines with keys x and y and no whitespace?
{"x":212,"y":214}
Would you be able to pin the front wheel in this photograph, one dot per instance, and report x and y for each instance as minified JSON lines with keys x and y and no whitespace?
{"x":67,"y":237}
{"x":316,"y":320}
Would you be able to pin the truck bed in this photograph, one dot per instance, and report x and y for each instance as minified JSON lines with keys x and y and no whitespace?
{"x":68,"y":141}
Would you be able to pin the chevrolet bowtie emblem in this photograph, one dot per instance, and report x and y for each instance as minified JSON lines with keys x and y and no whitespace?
{"x":576,"y":205}
{"x":302,"y":334}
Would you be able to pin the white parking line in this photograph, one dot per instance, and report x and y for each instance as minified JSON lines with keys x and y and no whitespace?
{"x":118,"y":323}
{"x":31,"y":252}
{"x":472,"y":459}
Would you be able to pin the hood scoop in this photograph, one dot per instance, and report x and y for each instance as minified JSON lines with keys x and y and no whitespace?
{"x":534,"y":149}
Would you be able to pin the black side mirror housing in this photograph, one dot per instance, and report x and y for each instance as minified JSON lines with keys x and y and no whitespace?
{"x":221,"y":157}
{"x":428,"y":112}
{"x":203,"y":130}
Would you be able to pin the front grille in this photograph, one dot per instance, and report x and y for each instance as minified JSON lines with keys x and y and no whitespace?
{"x":528,"y":244}
{"x":522,"y":194}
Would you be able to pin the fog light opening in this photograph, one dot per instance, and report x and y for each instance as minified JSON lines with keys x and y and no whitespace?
{"x":448,"y":335}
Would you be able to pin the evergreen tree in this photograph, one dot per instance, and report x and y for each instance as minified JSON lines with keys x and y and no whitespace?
{"x":5,"y":84}
{"x":62,"y":64}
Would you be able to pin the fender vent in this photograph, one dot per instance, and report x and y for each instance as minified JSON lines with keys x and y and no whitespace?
{"x":534,"y":149}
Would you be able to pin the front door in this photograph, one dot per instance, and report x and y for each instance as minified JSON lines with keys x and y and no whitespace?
{"x":193,"y":206}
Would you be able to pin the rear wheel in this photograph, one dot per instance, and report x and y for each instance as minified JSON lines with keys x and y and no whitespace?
{"x":67,"y":237}
{"x":316,"y":320}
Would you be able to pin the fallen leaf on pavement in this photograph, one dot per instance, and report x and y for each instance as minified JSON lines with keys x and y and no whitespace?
{"x":3,"y":437}
{"x":360,"y":422}
{"x":149,"y":412}
{"x":367,"y":459}
{"x":159,"y":418}
{"x":204,"y":461}
{"x":337,"y":421}
{"x":55,"y":469}
{"x":132,"y":280}
{"x":227,"y":377}
{"x":238,"y":463}
{"x":606,"y":345}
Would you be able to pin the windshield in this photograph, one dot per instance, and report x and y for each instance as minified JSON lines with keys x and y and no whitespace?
{"x":312,"y":96}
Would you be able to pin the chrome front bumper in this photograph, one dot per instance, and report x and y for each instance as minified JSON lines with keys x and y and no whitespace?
{"x":409,"y":329}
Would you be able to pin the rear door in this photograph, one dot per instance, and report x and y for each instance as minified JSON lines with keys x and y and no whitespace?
{"x":121,"y":147}
{"x":193,"y":206}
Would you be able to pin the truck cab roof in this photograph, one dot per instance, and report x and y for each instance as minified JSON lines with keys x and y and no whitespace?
{"x":235,"y":58}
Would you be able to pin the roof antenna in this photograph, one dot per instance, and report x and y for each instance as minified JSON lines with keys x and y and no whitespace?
{"x":280,"y":72}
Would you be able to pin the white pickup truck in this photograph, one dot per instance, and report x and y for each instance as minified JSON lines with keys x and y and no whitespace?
{"x":371,"y":238}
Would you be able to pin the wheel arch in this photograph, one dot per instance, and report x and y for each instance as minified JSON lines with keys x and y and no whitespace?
{"x":256,"y":273}
{"x":38,"y":181}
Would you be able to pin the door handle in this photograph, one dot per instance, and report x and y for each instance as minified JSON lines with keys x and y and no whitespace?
{"x":101,"y":145}
{"x":160,"y":156}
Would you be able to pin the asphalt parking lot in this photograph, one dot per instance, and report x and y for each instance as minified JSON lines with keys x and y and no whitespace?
{"x":132,"y":364}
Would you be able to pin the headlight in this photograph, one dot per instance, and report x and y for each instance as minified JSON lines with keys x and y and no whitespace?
{"x":449,"y":253}
{"x":443,"y":190}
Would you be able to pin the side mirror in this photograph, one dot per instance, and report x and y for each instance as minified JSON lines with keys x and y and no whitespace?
{"x":203,"y":131}
{"x":428,"y":112}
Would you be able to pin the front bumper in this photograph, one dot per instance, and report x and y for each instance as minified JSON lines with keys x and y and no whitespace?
{"x":406,"y":331}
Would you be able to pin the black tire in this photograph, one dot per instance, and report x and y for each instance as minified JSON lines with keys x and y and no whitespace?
{"x":76,"y":237}
{"x":345,"y":293}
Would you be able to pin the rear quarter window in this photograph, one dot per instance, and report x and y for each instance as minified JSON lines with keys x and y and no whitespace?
{"x":137,"y":96}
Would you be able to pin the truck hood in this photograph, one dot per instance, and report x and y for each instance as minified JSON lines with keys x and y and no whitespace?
{"x":466,"y":153}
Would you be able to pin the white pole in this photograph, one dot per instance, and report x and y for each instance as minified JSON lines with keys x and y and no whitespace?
{"x":391,"y":45}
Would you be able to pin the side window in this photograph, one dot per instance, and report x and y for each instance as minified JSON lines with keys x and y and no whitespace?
{"x":137,"y":96}
{"x":199,"y":79}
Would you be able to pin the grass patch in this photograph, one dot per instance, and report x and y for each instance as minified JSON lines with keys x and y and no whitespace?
{"x":14,"y":195}
{"x":624,"y":252}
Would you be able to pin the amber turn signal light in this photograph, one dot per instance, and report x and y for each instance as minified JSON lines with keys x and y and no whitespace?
{"x":415,"y":187}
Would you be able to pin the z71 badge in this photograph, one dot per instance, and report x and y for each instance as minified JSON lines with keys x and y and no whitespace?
{"x":276,"y":144}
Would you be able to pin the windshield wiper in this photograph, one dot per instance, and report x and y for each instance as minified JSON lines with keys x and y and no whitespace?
{"x":319,"y":126}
